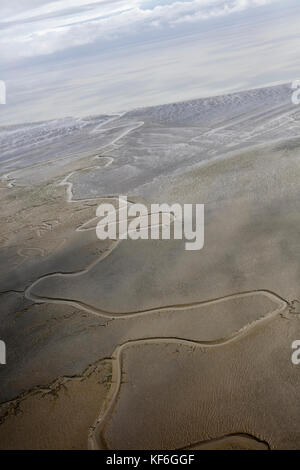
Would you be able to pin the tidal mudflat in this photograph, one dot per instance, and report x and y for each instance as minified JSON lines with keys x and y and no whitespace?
{"x":157,"y":346}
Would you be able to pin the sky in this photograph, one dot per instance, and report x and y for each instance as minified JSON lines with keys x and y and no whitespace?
{"x":86,"y":57}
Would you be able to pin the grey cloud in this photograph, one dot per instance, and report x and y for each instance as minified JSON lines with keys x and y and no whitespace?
{"x":73,"y":23}
{"x":138,"y":67}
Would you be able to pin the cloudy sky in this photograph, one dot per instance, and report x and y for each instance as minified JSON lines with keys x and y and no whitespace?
{"x":82,"y":57}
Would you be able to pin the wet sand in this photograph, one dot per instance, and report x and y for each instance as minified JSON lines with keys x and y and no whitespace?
{"x":197,"y":345}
